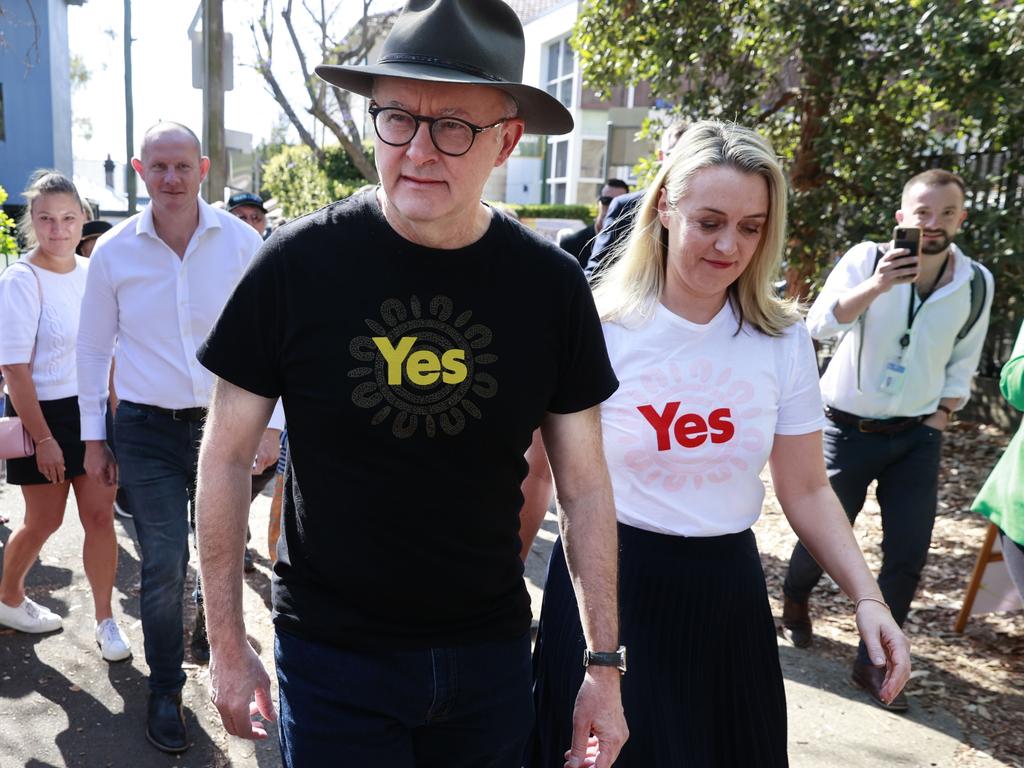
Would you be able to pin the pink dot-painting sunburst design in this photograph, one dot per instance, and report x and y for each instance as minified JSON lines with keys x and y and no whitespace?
{"x":701,"y":389}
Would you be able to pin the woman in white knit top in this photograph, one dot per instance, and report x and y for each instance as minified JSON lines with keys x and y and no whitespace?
{"x":40,"y":300}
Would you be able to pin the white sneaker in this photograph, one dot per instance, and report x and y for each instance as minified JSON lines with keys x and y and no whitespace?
{"x":30,"y":617}
{"x":113,"y":645}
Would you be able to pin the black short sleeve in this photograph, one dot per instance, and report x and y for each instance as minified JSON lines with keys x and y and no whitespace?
{"x":587,"y":378}
{"x":244,"y":345}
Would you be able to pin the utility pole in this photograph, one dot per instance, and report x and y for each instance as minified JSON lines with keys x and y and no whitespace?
{"x":213,"y":99}
{"x":129,"y":111}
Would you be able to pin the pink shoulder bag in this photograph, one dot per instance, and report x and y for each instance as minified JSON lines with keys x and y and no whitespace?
{"x":15,"y":441}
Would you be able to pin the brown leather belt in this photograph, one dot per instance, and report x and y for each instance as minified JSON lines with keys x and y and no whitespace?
{"x":880,"y":426}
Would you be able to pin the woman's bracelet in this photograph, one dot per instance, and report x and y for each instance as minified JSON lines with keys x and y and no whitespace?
{"x":872,"y":600}
{"x":40,"y":442}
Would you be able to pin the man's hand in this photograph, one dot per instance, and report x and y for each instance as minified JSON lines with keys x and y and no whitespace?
{"x":240,"y":689}
{"x":886,"y":644}
{"x":268,"y":452}
{"x":99,"y":462}
{"x":938,"y":420}
{"x":598,"y":725}
{"x":896,"y":267}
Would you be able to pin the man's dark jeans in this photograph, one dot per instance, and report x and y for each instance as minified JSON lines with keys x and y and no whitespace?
{"x":466,"y":707}
{"x":157,"y":459}
{"x":906,"y":466}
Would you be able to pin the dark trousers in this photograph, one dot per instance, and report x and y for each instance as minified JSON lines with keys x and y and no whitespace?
{"x":906,"y":466}
{"x":464,"y":707}
{"x":157,"y":458}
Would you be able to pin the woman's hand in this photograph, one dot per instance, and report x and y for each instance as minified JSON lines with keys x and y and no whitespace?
{"x":886,"y":644}
{"x":50,"y":460}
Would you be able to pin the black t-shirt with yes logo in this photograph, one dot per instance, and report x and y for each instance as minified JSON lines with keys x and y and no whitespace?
{"x":412,"y":380}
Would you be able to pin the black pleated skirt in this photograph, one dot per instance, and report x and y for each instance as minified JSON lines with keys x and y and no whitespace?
{"x":704,"y":687}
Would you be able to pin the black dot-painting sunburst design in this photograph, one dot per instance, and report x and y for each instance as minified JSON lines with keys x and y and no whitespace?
{"x":442,"y":406}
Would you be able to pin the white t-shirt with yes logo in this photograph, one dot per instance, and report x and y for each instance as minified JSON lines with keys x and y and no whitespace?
{"x":692,"y":424}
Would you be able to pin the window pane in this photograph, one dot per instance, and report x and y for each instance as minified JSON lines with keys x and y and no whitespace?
{"x":587,"y":192}
{"x":553,"y":61}
{"x":558,"y":194}
{"x":561,"y":163}
{"x":566,"y":68}
{"x":592,"y":160}
{"x":565,"y":95}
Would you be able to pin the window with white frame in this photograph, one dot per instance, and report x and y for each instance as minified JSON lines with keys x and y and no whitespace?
{"x":558,"y":170}
{"x":561,"y":67}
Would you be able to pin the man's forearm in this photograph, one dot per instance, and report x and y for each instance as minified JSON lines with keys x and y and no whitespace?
{"x":590,"y":540}
{"x":854,"y":302}
{"x":222,"y":508}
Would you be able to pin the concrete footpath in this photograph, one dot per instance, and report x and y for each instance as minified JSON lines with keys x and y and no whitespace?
{"x":62,"y":705}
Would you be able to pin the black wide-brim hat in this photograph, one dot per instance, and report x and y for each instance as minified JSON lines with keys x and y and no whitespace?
{"x":473,"y":42}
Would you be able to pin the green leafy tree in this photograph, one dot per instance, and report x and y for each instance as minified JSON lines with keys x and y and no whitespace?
{"x":855,"y":95}
{"x":300,"y":183}
{"x":8,"y":241}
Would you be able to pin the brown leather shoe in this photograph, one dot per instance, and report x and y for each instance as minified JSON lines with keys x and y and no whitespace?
{"x":796,"y":623}
{"x":870,"y":678}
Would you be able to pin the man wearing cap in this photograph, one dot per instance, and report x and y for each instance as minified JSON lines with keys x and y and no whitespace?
{"x":417,"y":338}
{"x":248,"y":207}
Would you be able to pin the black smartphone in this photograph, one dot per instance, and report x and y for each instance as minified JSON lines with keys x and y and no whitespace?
{"x":907,"y":237}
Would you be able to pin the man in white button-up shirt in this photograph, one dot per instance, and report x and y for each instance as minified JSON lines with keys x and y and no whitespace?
{"x":159,"y":281}
{"x":912,"y":329}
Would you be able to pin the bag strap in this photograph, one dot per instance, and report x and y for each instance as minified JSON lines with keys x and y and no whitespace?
{"x":979,"y":293}
{"x":39,"y":318}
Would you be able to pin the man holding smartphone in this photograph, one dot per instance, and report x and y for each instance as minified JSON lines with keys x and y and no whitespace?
{"x":912,"y":316}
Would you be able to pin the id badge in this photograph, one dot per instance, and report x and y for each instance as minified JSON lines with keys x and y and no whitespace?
{"x":893,"y":376}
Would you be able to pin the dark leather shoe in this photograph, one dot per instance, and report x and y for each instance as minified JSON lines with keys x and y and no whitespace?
{"x":165,"y":723}
{"x":796,"y":623}
{"x":200,"y":644}
{"x":870,"y":678}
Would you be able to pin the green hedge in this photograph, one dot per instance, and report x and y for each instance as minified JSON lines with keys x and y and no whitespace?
{"x":585,"y":213}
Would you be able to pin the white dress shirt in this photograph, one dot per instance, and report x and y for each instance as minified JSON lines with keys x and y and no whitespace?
{"x":937,"y":365}
{"x":155,"y":309}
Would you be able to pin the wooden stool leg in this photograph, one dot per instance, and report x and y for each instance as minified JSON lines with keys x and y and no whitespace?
{"x":984,"y":558}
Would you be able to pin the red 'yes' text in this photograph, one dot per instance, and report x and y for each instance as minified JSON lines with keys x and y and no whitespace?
{"x":690,"y":429}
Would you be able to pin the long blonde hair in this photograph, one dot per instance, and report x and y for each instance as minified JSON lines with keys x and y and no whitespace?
{"x":633,"y":285}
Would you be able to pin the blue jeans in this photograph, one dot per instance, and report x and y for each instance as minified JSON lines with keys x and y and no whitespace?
{"x":906,"y":466}
{"x":157,"y":459}
{"x":467,"y":707}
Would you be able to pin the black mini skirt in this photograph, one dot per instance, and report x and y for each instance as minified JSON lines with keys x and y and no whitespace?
{"x":62,"y":417}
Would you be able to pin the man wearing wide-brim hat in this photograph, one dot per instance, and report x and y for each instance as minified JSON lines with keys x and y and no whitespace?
{"x":417,"y":337}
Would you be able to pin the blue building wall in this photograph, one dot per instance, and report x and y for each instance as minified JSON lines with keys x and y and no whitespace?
{"x":36,"y":93}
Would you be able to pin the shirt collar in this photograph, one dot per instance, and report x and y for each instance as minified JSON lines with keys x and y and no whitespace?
{"x":208,"y":219}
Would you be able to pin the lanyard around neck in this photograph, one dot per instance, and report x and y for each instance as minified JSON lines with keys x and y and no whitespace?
{"x":911,"y":312}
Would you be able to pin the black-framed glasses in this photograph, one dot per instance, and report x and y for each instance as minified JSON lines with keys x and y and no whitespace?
{"x":451,"y":135}
{"x":605,"y":199}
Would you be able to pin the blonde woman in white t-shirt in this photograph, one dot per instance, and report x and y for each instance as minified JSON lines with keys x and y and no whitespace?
{"x":717,"y":378}
{"x":40,"y":300}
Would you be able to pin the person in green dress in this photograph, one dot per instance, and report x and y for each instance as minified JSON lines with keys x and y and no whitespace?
{"x":1001,"y":499}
